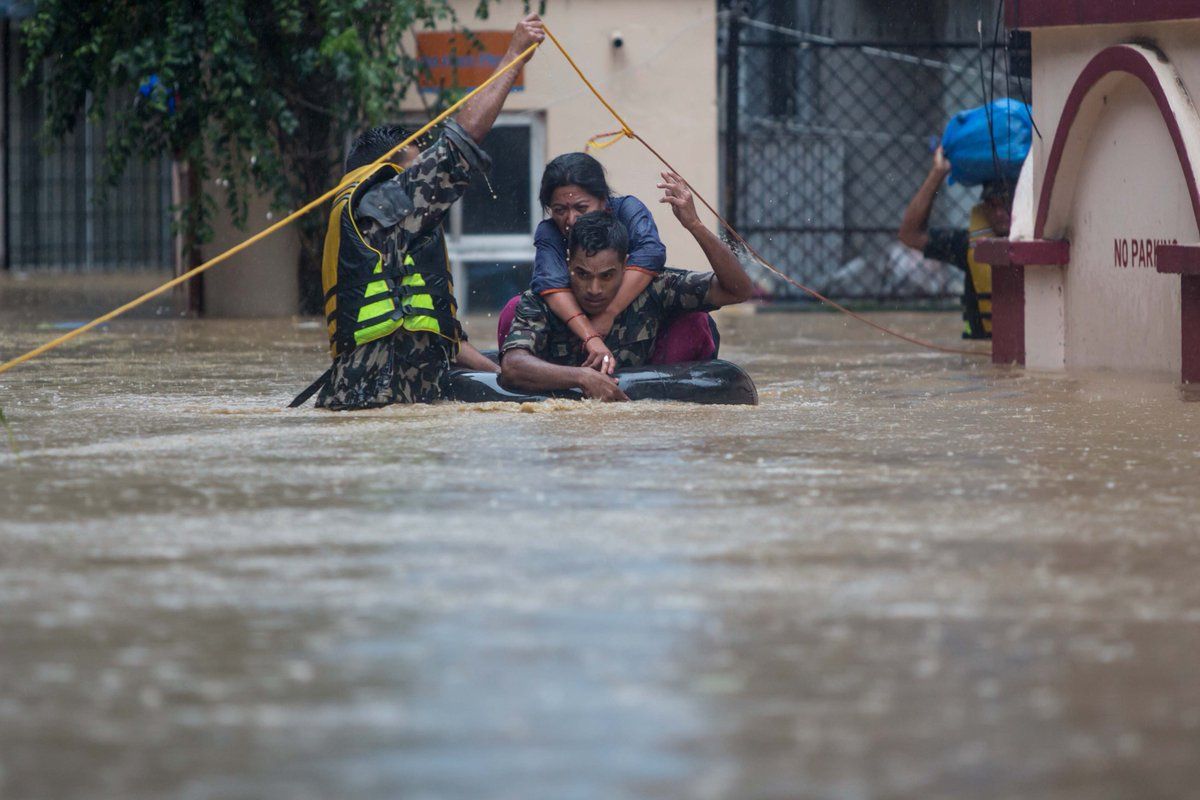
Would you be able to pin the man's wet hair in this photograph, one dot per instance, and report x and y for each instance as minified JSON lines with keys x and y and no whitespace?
{"x":596,"y":231}
{"x":372,"y":144}
{"x":573,"y":169}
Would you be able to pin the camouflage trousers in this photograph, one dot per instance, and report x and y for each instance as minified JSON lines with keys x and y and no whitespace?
{"x":402,"y":368}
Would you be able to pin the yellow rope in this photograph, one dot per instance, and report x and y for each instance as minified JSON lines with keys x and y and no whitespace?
{"x":604,"y":140}
{"x":627,"y":132}
{"x":625,"y":129}
{"x":289,"y":219}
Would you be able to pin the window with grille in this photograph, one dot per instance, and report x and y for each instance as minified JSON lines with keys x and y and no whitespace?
{"x":490,"y":231}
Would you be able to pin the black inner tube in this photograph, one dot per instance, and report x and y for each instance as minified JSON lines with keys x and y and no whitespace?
{"x":715,"y":382}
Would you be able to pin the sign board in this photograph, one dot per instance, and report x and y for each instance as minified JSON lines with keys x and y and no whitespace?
{"x":455,"y":60}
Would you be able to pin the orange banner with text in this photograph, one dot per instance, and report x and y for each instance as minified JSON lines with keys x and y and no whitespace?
{"x":453,"y":60}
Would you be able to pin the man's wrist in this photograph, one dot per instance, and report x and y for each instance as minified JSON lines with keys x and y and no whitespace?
{"x":513,"y":54}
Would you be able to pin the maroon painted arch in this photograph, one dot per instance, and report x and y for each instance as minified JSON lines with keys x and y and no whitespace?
{"x":1115,"y":59}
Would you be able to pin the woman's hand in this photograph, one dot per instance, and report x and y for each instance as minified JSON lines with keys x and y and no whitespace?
{"x":599,"y":357}
{"x":679,"y":196}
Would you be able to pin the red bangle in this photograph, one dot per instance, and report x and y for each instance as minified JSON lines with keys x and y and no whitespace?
{"x":587,"y":339}
{"x":573,"y":316}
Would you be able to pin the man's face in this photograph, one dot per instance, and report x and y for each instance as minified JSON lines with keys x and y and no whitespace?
{"x":998,"y":210}
{"x":595,"y":279}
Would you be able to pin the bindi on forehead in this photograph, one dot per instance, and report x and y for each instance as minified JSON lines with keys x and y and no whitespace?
{"x":572,"y":195}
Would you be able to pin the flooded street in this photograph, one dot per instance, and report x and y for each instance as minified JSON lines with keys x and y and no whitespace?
{"x":904,"y":574}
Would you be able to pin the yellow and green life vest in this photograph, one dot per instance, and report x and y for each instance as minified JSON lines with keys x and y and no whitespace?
{"x":981,"y":280}
{"x":367,"y":298}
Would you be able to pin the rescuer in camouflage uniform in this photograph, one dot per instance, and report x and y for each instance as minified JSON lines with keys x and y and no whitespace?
{"x":398,"y":216}
{"x":407,"y":366}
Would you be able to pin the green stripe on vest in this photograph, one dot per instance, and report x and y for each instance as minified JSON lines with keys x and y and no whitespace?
{"x":367,"y":299}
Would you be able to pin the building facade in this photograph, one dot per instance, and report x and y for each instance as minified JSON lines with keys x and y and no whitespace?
{"x":830,"y":112}
{"x":654,"y":60}
{"x":56,"y":211}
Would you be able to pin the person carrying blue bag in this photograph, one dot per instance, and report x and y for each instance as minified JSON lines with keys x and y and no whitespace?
{"x":986,"y":147}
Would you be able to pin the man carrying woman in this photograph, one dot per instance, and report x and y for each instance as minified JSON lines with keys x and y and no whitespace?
{"x":574,"y":184}
{"x":543,"y":352}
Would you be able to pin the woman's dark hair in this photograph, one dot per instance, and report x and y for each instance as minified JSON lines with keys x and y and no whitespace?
{"x":578,"y":169}
{"x":596,"y":231}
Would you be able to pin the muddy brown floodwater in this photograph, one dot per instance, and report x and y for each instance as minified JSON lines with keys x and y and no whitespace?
{"x":904,"y":575}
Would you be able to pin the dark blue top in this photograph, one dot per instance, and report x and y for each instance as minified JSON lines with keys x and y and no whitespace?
{"x":646,"y":250}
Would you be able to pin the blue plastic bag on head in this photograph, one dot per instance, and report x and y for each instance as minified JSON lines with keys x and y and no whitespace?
{"x":968,"y":142}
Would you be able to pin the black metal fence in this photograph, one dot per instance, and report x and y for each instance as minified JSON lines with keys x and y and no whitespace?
{"x":57,"y":213}
{"x":826,"y":140}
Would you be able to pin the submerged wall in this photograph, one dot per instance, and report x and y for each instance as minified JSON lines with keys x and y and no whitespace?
{"x":260,"y":281}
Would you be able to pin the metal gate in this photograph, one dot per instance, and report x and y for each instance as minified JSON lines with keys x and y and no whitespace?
{"x":825,"y":142}
{"x":57,"y":214}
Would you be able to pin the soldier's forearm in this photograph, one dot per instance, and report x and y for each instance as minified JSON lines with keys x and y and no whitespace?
{"x":732,"y":284}
{"x":470,"y":358}
{"x":523,"y":371}
{"x":478,"y":116}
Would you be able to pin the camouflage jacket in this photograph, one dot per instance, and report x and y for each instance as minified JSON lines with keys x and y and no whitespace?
{"x":673,"y":292}
{"x":402,"y":213}
{"x":397,"y":216}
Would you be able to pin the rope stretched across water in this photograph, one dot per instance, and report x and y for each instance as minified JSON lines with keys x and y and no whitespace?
{"x":283,"y":223}
{"x":625,"y":131}
{"x":603,"y":140}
